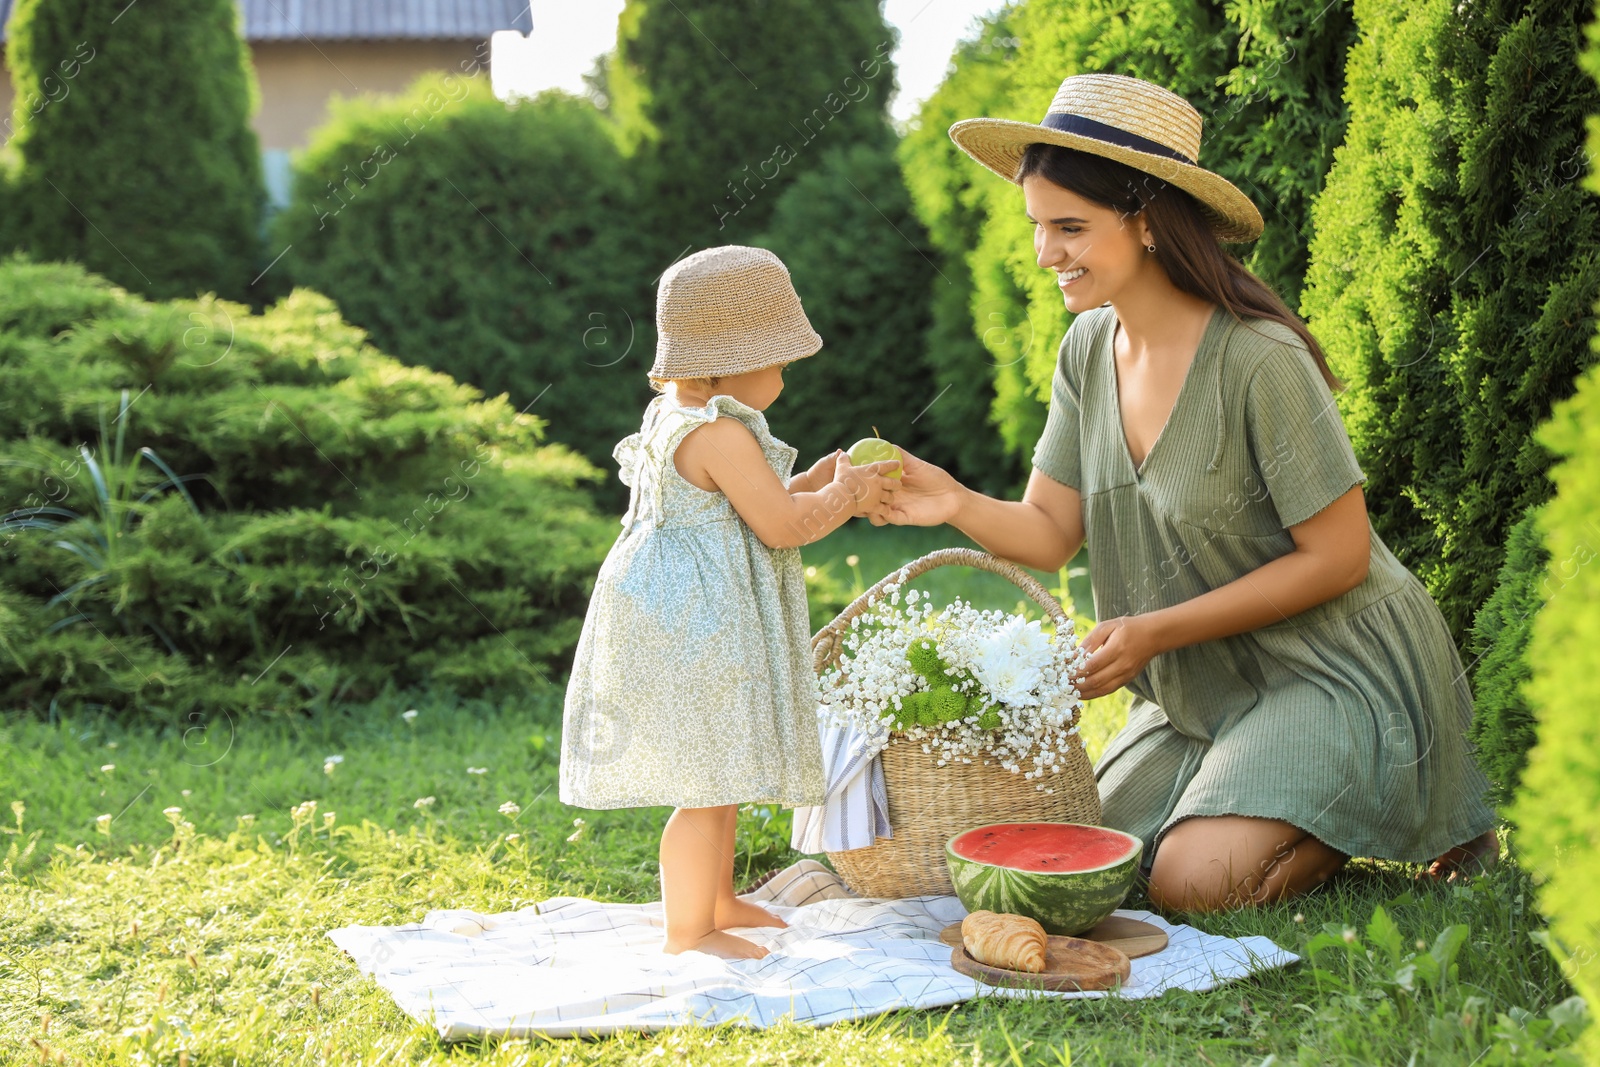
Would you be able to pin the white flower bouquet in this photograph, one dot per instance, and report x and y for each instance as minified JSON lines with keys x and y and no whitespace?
{"x":964,"y":684}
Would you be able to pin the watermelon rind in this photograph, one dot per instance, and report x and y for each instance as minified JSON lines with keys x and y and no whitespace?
{"x":1064,"y":902}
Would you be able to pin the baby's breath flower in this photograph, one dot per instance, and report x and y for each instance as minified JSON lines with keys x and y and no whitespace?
{"x":1020,"y":673}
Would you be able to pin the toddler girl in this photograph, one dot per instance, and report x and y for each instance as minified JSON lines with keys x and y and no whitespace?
{"x":692,"y":682}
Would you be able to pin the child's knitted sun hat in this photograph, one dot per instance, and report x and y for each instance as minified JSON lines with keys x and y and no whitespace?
{"x":728,"y":310}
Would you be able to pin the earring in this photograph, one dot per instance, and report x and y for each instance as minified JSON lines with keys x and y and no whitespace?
{"x":1149,"y":248}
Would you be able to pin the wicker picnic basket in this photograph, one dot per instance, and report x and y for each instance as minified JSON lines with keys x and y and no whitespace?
{"x":929,"y":804}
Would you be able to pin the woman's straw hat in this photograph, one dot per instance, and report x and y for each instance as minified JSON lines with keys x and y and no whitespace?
{"x":1128,"y":120}
{"x":727,"y":310}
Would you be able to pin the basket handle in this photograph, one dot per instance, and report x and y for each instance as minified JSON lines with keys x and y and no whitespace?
{"x":828,"y":642}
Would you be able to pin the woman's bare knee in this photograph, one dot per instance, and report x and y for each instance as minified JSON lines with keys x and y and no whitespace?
{"x":1209,"y":863}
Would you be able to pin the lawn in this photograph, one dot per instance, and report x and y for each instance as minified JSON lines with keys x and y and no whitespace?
{"x":189,"y":927}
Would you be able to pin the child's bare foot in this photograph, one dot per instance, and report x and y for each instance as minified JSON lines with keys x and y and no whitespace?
{"x":1466,"y":859}
{"x":744,"y":913}
{"x":718,"y":943}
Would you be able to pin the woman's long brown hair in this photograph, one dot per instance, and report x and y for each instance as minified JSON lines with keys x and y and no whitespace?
{"x":1186,"y":246}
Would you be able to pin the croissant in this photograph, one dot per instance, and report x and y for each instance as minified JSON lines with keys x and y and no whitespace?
{"x":1014,"y":942}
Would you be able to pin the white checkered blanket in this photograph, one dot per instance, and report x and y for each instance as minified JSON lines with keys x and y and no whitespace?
{"x":569,"y":966}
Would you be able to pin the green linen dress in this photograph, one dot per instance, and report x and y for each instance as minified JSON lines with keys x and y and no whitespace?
{"x":1348,"y":719}
{"x":691,"y":684}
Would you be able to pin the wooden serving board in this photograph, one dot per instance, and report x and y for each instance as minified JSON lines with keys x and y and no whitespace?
{"x":1069,"y":963}
{"x":1133,"y":937}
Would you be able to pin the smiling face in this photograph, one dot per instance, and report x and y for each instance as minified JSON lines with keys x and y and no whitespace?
{"x":1095,"y":251}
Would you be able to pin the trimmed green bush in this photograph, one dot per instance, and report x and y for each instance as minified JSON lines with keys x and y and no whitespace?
{"x":1455,"y":271}
{"x":136,"y":156}
{"x":722,"y":104}
{"x":1558,"y":808}
{"x":866,"y":298}
{"x":1502,"y":724}
{"x":494,"y":244}
{"x":212,"y":513}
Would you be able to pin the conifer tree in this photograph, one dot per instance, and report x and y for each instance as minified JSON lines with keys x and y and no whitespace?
{"x":137,"y":158}
{"x":721,"y":104}
{"x":1455,"y":267}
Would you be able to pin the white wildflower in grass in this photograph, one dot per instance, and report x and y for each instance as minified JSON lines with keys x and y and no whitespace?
{"x":330,"y":762}
{"x":107,"y":768}
{"x":102,"y":824}
{"x":510,"y":809}
{"x":423,"y":802}
{"x":477,"y":770}
{"x":1016,"y":676}
{"x":409,"y":715}
{"x":173,"y":814}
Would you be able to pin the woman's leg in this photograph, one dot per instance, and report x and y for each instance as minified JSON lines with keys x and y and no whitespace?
{"x":731,"y":911}
{"x":1211,"y":862}
{"x":691,"y":867}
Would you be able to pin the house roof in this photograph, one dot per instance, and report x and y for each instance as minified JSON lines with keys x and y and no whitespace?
{"x":363,"y":20}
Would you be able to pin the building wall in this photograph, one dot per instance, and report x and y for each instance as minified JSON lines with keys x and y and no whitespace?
{"x":297,"y":78}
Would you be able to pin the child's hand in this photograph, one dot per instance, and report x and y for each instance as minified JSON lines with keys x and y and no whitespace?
{"x":819,"y":475}
{"x":869,"y":485}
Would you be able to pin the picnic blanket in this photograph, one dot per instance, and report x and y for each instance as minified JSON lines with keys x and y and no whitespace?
{"x":574,"y":967}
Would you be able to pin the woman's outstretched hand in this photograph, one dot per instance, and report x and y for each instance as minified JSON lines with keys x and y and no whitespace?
{"x":928,"y":496}
{"x":1119,"y":649}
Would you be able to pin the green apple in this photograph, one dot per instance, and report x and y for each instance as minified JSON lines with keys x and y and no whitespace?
{"x":876,"y":450}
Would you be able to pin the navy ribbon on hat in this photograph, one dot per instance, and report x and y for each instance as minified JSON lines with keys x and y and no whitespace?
{"x":1100,"y":131}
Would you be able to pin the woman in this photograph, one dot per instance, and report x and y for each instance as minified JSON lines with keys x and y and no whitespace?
{"x":1298,"y":698}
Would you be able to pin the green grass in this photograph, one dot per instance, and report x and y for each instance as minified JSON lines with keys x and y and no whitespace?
{"x":204,"y":932}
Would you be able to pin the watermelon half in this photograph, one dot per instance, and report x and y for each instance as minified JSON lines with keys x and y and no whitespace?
{"x":1067,"y":875}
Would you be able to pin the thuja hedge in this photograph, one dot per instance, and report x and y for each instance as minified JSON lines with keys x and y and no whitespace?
{"x":1502,"y":723}
{"x":214,"y":513}
{"x":1454,"y":271}
{"x":1558,"y":809}
{"x":134,"y":150}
